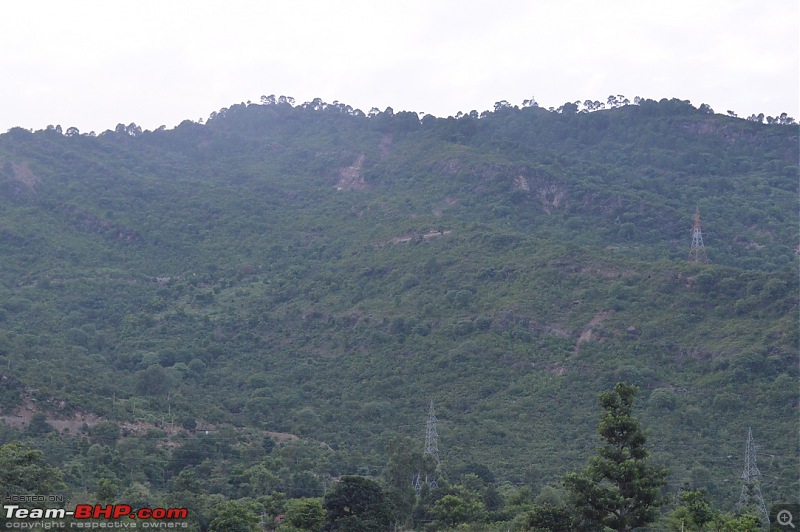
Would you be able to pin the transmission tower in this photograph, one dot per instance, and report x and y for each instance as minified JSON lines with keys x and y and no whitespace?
{"x":417,"y":483}
{"x":750,"y":485}
{"x":431,"y":448}
{"x":432,"y":437}
{"x":697,"y":253}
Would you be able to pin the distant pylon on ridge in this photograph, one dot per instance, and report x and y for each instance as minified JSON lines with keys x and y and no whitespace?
{"x":750,"y":483}
{"x":697,"y":253}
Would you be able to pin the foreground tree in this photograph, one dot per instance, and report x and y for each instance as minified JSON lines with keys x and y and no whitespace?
{"x":305,"y":514}
{"x":696,"y":513}
{"x":619,"y":489}
{"x":357,"y":504}
{"x":404,"y":463}
{"x":550,"y":517}
{"x":24,"y":471}
{"x":695,"y":510}
{"x":452,"y":510}
{"x":232,"y":516}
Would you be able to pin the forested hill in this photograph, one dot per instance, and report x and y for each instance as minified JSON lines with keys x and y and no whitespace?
{"x":272,"y":298}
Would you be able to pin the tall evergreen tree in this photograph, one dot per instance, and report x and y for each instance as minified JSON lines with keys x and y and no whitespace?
{"x":619,"y":489}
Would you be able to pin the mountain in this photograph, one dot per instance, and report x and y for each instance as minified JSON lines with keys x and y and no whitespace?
{"x":273,"y":298}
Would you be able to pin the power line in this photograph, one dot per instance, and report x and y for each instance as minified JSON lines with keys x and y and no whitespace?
{"x":431,"y":449}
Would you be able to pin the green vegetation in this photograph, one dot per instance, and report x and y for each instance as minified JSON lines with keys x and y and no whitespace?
{"x":230,"y":316}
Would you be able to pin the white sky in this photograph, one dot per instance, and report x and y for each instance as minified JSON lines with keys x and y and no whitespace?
{"x":95,"y":63}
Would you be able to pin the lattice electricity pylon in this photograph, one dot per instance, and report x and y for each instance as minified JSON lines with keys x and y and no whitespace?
{"x":431,"y":448}
{"x":697,"y":253}
{"x":750,"y":483}
{"x":432,"y":437}
{"x":417,"y":483}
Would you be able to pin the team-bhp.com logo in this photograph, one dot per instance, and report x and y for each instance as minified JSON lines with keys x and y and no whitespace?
{"x":94,"y":511}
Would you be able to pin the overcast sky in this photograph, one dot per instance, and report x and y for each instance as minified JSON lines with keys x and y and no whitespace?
{"x":94,"y":64}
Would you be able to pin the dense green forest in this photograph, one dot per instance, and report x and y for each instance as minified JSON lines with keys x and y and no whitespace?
{"x":232,"y":315}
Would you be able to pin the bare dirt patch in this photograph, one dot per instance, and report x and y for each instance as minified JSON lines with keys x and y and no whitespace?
{"x":22,"y":418}
{"x":282,"y":437}
{"x":350,"y":177}
{"x":385,"y":144}
{"x":423,"y":237}
{"x":520,"y":183}
{"x":22,"y":173}
{"x":81,"y":421}
{"x":551,"y":197}
{"x":588,"y":334}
